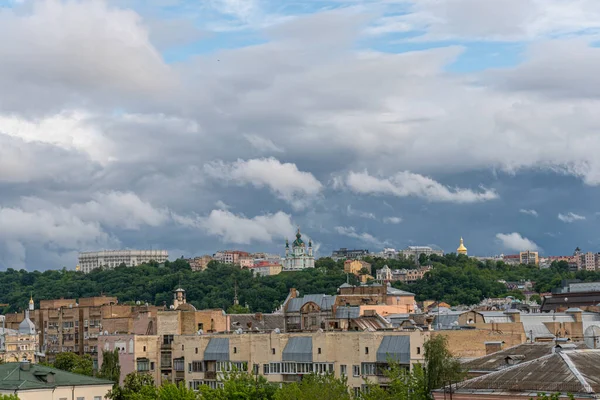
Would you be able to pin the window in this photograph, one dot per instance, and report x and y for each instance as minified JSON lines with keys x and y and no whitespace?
{"x":304,"y":368}
{"x":200,"y":326}
{"x":196,"y":350}
{"x":144,"y":348}
{"x":235,"y":350}
{"x":167,"y":339}
{"x":369,"y":369}
{"x":266,"y":370}
{"x":81,"y":398}
{"x":366,"y":350}
{"x":357,"y":392}
{"x":273,"y":350}
{"x":275,"y":368}
{"x":143,"y":364}
{"x":195,"y":384}
{"x":97,"y":397}
{"x":197,"y":366}
{"x":179,"y":364}
{"x":319,"y":350}
{"x":323,"y":368}
{"x":288,"y":367}
{"x":418,"y":350}
{"x":182,"y":347}
{"x":152,"y":366}
{"x":343,"y":370}
{"x":356,"y":370}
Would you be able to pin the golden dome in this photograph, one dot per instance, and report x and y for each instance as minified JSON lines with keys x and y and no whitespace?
{"x":31,"y":300}
{"x":461,"y":249}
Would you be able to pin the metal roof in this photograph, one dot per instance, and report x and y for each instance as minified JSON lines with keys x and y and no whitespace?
{"x":571,"y":371}
{"x":12,"y":377}
{"x":298,"y":349}
{"x":397,"y":292}
{"x":497,"y":361}
{"x":322,"y":300}
{"x":396,"y":348}
{"x":347,"y":312}
{"x":217,"y":349}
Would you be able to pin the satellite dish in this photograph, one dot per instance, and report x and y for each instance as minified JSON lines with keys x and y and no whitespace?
{"x":239,"y":331}
{"x":200,"y":332}
{"x":591,"y":337}
{"x":277,"y":330}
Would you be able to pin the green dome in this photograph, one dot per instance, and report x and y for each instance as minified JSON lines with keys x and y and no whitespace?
{"x":298,"y":242}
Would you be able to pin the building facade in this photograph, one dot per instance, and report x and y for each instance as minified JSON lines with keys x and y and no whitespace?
{"x":529,"y":257}
{"x":266,"y":268}
{"x":286,"y":357}
{"x":230,"y":256}
{"x":416,"y":251}
{"x":200,"y":263}
{"x":299,"y":257}
{"x":345,"y":253}
{"x":355,"y":267}
{"x":113,"y":258}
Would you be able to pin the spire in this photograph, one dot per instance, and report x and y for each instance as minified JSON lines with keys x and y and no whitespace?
{"x":235,"y":297}
{"x":287,"y":243}
{"x":461,"y":248}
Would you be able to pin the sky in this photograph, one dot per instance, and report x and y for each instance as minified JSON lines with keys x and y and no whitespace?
{"x":195,"y":126}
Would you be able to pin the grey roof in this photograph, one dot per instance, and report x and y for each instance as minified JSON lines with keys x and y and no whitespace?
{"x":445,"y":321}
{"x":571,"y":371}
{"x":299,"y":349}
{"x":345,"y":285}
{"x":26,"y":327}
{"x":324,"y":301}
{"x":396,"y":348}
{"x":497,"y":361}
{"x":217,"y":349}
{"x":533,"y":324}
{"x":397,"y":292}
{"x":261,"y":322}
{"x":495,"y":316}
{"x":347,"y":312}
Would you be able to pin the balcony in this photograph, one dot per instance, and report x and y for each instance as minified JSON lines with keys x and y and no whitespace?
{"x":212,"y":375}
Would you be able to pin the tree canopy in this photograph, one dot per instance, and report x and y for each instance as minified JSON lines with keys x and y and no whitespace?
{"x":454,"y":279}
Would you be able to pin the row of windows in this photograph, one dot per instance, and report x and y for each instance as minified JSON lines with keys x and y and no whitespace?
{"x":292,"y":368}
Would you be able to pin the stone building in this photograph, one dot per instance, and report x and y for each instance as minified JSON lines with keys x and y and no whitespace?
{"x":299,"y":257}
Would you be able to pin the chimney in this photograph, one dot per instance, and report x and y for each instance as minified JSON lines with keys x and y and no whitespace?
{"x":577,"y":314}
{"x":515,"y":315}
{"x":25,"y":365}
{"x":492,"y":347}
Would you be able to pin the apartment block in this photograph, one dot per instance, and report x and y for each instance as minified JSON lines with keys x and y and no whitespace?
{"x":529,"y":257}
{"x":282,"y":358}
{"x":230,"y":256}
{"x":113,"y":258}
{"x":199,"y":263}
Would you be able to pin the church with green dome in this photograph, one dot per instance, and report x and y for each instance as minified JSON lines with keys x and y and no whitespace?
{"x":300,"y":256}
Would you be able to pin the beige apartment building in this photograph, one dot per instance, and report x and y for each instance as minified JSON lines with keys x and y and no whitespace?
{"x":286,"y":357}
{"x":529,"y":258}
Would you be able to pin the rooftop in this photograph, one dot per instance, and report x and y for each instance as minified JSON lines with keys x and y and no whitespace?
{"x":522,"y":353}
{"x":571,"y":371}
{"x":35,"y":376}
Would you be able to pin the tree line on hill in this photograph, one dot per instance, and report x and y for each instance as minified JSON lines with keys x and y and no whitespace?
{"x":454,"y":280}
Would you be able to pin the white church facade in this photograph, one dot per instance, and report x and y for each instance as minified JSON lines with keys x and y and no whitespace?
{"x":299,"y":257}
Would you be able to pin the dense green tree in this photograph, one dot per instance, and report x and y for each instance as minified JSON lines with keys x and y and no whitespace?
{"x":237,"y":309}
{"x":176,"y":392}
{"x":440,"y":366}
{"x":239,"y":385}
{"x":136,"y":386}
{"x":110,"y":368}
{"x":72,"y":362}
{"x":9,"y":397}
{"x":315,"y":387}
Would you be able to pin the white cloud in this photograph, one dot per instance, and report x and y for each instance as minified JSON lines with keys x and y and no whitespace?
{"x":284,"y":179}
{"x":570,"y":217}
{"x":405,"y":184}
{"x":262,"y":144}
{"x":514,"y":241}
{"x":358,"y":213}
{"x":232,"y":228}
{"x":533,"y":213}
{"x":221,"y":205}
{"x":364,"y":237}
{"x":392,"y":220}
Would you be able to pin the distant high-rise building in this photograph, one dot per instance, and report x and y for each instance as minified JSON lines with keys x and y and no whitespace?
{"x":113,"y":258}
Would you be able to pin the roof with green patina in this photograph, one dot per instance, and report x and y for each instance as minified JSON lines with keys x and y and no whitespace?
{"x":13,"y":377}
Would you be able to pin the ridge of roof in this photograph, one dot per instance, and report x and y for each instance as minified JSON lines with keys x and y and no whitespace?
{"x":565,"y":356}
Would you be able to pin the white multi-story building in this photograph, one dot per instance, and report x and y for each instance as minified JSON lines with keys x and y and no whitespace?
{"x":300,"y":257}
{"x":113,"y":258}
{"x":416,"y":251}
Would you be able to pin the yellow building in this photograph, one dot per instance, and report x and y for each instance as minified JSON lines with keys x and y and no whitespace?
{"x":461,"y":249}
{"x":529,"y":257}
{"x":356,"y":266}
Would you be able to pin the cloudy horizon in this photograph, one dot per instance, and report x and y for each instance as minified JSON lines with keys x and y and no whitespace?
{"x":199,"y":126}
